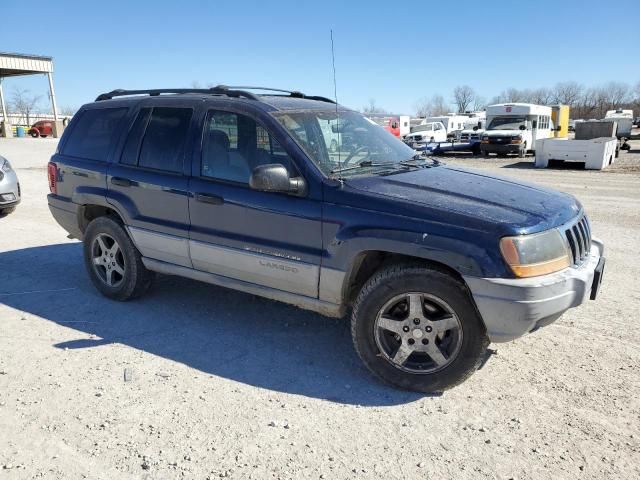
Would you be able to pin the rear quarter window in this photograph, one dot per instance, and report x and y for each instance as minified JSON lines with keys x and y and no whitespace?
{"x":94,"y":133}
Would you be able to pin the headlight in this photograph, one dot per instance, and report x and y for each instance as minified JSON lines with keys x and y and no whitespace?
{"x":537,"y":254}
{"x":5,"y":165}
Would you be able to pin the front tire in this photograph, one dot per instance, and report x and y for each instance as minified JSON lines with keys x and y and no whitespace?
{"x":417,"y":328}
{"x":113,"y":262}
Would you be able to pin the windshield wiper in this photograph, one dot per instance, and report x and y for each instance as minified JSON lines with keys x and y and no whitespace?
{"x":412,"y":161}
{"x":364,"y":164}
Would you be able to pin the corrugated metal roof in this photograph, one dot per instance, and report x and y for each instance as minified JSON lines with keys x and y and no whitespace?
{"x":12,"y":64}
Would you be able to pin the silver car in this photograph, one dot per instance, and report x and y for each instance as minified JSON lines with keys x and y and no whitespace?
{"x":9,"y":187}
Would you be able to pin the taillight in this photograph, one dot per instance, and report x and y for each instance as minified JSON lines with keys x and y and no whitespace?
{"x":52,"y":171}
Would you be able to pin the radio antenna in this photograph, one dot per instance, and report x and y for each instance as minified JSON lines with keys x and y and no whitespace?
{"x":335,"y":96}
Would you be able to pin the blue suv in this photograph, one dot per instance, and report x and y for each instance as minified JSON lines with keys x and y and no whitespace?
{"x":298,"y":199}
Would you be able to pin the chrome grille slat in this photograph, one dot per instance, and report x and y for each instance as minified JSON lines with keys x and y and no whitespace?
{"x":578,"y":235}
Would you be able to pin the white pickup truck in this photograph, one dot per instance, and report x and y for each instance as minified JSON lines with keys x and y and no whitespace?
{"x":421,"y":135}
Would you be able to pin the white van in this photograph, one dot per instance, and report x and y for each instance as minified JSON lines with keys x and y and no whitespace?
{"x":515,"y":127}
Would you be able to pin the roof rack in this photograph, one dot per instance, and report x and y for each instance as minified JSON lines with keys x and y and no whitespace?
{"x":292,"y":93}
{"x":219,"y":90}
{"x":236,"y":92}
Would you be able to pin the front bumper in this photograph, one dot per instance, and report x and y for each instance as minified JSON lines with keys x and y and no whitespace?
{"x":511,"y":308}
{"x":9,"y":190}
{"x":500,"y":148}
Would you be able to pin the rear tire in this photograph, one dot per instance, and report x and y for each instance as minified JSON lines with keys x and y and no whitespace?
{"x":6,"y":211}
{"x":113,"y":262}
{"x":434,"y":310}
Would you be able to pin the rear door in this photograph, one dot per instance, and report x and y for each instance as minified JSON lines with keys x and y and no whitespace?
{"x":265,"y":238}
{"x":148,"y":183}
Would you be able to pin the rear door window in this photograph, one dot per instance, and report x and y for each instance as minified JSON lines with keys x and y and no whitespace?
{"x":132,"y":146}
{"x":94,"y":133}
{"x":164,"y":139}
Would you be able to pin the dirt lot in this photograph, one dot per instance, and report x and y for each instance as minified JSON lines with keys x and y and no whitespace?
{"x":194,"y":381}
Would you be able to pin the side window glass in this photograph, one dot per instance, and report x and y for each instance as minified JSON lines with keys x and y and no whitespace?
{"x":233,"y":145}
{"x":94,"y":133}
{"x":132,"y":146}
{"x":164,"y":139}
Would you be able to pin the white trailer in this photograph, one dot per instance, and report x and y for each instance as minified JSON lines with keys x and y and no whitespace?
{"x":624,"y":119}
{"x":596,"y":153}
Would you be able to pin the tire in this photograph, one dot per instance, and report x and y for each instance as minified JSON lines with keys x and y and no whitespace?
{"x":486,"y":154}
{"x":43,"y":136}
{"x":35,"y":134}
{"x":462,"y":348}
{"x":6,"y":211}
{"x":128,"y":277}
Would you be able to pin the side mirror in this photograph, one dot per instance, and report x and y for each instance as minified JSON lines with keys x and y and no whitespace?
{"x":522,"y":127}
{"x":475,"y":129}
{"x":274,"y":177}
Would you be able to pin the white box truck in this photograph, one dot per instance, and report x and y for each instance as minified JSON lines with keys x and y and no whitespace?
{"x":515,"y":128}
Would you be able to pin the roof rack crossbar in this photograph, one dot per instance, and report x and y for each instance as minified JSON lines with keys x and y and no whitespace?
{"x":160,"y":91}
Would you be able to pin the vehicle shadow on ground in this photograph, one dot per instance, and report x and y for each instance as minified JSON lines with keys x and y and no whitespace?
{"x":215,"y":330}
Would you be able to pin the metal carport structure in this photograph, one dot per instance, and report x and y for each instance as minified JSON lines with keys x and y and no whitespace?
{"x":16,"y":64}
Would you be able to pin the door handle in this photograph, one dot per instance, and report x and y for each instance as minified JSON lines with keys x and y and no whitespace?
{"x":208,"y":198}
{"x":123,"y":182}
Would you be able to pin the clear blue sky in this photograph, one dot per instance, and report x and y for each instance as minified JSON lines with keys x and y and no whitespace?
{"x":394,"y":52}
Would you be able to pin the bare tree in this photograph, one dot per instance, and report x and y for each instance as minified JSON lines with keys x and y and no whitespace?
{"x":24,"y":103}
{"x":372,"y":108}
{"x":463,"y":97}
{"x":567,"y":93}
{"x":479,"y":103}
{"x":617,"y":94}
{"x":431,"y":107}
{"x":541,"y":96}
{"x":510,"y":95}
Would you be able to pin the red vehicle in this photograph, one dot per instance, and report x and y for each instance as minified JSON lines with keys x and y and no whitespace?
{"x":41,"y":129}
{"x":396,"y":125}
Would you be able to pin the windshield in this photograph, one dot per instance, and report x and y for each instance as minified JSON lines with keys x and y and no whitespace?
{"x":338,"y":142}
{"x":507,"y":123}
{"x":422,"y":128}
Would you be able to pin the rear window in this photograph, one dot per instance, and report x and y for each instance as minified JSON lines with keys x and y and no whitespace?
{"x":94,"y":133}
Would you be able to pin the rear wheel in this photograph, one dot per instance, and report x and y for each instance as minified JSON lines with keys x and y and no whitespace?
{"x":113,"y":262}
{"x":6,"y":211}
{"x":417,"y":328}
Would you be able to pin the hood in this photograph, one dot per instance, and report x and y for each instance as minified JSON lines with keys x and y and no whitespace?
{"x":483,"y":201}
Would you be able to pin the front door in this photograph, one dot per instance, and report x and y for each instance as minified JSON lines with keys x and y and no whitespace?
{"x":148,"y":184}
{"x":264,"y":238}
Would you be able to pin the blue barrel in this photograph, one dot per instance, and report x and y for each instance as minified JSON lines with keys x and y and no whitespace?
{"x":19,"y":131}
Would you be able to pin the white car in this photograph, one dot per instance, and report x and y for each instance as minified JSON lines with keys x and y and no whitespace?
{"x":9,"y":187}
{"x":421,"y":135}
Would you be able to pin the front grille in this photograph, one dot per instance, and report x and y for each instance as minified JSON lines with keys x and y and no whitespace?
{"x":500,"y":140}
{"x":464,"y":136}
{"x":579,"y":238}
{"x":417,"y":138}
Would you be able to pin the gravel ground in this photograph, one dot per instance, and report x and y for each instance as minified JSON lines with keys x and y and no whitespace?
{"x":194,"y":381}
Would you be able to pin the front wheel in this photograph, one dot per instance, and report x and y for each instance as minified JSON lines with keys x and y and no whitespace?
{"x":35,"y":134}
{"x":417,"y":328}
{"x":113,"y":262}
